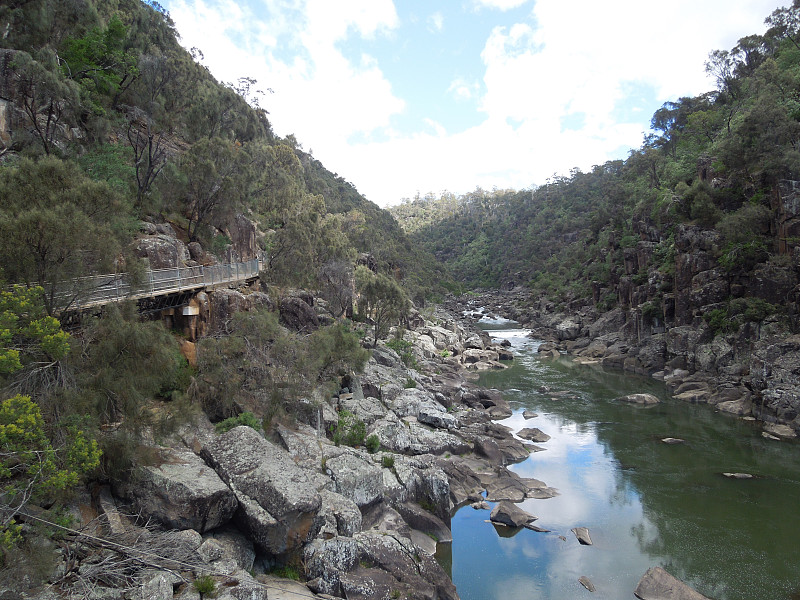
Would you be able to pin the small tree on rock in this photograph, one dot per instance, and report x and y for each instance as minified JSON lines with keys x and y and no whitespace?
{"x":381,"y":299}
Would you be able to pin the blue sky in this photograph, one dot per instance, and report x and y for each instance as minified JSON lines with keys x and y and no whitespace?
{"x":410,"y":96}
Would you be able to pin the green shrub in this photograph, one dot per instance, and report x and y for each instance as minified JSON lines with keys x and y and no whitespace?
{"x":387,"y":460}
{"x":349,"y":430}
{"x":373,"y":444}
{"x":410,"y":383}
{"x":718,"y":321}
{"x":751,"y":309}
{"x":286,"y":572}
{"x":246,"y":418}
{"x":205,"y":586}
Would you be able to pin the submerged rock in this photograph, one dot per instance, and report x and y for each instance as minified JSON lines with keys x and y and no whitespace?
{"x":657,"y":584}
{"x":642,"y":399}
{"x":672,"y":440}
{"x":739,"y":475}
{"x":584,"y":581}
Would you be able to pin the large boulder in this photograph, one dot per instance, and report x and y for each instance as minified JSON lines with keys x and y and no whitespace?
{"x":510,"y":515}
{"x":181,"y":492}
{"x":162,"y":251}
{"x":278,"y":501}
{"x":297,"y":314}
{"x":657,"y":584}
{"x":355,"y":478}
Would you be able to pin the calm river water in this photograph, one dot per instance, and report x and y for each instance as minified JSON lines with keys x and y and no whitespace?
{"x":645,"y":503}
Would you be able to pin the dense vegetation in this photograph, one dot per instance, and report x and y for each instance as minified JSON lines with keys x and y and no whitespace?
{"x":713,"y":161}
{"x":110,"y":122}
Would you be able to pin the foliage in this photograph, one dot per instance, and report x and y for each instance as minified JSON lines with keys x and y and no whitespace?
{"x":269,"y":369}
{"x":57,"y":225}
{"x":27,"y":334}
{"x":205,"y":585}
{"x":372,"y":443}
{"x":349,"y":430}
{"x":246,"y":418}
{"x":381,"y":299}
{"x":387,"y":461}
{"x":31,"y":467}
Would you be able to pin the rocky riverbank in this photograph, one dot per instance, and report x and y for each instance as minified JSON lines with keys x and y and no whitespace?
{"x":750,"y":373}
{"x":224,"y":510}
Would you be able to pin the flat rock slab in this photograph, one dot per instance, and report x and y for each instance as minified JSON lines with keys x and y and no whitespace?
{"x":657,"y":584}
{"x":533,"y":434}
{"x":639,"y":399}
{"x":582,"y":533}
{"x":506,"y":513}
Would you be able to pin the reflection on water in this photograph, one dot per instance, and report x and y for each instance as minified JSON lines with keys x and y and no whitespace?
{"x":645,"y":503}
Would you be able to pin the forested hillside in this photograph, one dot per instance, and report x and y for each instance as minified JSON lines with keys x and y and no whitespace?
{"x":722,"y":164}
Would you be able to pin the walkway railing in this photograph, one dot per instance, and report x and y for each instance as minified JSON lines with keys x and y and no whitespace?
{"x":103,"y":289}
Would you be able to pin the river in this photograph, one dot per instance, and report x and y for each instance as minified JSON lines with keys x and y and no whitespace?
{"x":646,"y":503}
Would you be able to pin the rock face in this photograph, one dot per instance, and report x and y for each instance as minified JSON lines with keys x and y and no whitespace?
{"x":657,"y":584}
{"x":278,"y":501}
{"x":182,"y":493}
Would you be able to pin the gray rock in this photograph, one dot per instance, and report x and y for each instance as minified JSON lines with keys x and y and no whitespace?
{"x":278,"y":500}
{"x":506,"y":513}
{"x":533,"y":434}
{"x":529,"y":414}
{"x":582,"y":533}
{"x":641,"y":399}
{"x":162,"y":251}
{"x":657,"y":584}
{"x":327,"y":560}
{"x":739,"y":475}
{"x":585,"y":582}
{"x":672,"y":440}
{"x":228,"y":544}
{"x":355,"y":478}
{"x":182,"y":492}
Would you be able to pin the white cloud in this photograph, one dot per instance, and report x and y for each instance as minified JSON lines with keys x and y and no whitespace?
{"x":581,"y":57}
{"x":319,"y":94}
{"x":436,"y":21}
{"x":463,"y":89}
{"x":500,"y":4}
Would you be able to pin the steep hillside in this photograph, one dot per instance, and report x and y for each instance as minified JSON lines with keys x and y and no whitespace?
{"x":106,"y":86}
